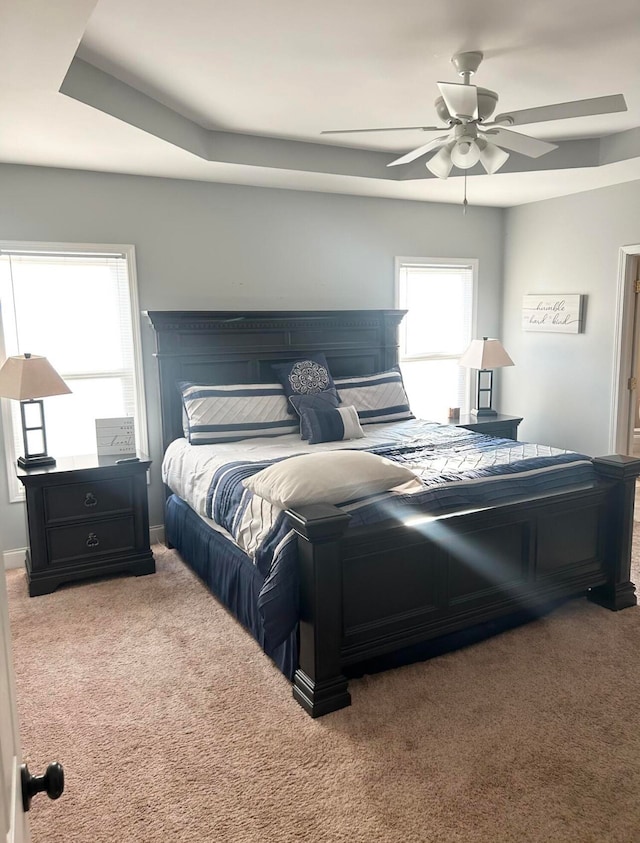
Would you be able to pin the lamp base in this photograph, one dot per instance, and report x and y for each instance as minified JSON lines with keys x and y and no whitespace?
{"x":35,"y":462}
{"x":484,"y":411}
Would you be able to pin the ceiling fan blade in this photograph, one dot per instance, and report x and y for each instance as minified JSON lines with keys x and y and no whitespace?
{"x":390,"y":129}
{"x":561,"y":110}
{"x":421,"y":150}
{"x":524,"y":144}
{"x":461,"y":100}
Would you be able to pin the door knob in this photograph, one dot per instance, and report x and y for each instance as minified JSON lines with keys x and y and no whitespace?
{"x":52,"y":783}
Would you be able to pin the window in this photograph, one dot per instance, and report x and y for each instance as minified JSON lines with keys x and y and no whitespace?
{"x":77,"y":306}
{"x":439,"y":297}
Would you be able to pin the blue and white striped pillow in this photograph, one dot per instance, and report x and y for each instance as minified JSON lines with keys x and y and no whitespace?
{"x":377,"y":398}
{"x":230,"y":412}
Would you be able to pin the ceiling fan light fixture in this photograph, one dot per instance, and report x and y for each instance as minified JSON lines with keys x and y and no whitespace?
{"x":470,"y":135}
{"x":465,"y":154}
{"x":492,"y":158}
{"x":440,"y":164}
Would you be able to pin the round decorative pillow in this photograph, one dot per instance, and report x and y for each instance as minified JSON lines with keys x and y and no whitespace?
{"x":307,"y":377}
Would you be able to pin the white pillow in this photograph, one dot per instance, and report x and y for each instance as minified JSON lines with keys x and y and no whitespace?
{"x":328,"y":477}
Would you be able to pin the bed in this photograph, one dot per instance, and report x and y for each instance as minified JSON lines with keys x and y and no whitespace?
{"x":369,"y":591}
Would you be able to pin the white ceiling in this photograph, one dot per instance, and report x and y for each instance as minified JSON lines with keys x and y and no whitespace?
{"x":287,"y":69}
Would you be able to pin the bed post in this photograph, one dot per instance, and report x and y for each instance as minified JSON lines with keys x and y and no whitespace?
{"x":318,"y":684}
{"x":618,"y":592}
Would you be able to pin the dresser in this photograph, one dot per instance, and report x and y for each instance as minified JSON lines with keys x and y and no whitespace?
{"x":86,"y":517}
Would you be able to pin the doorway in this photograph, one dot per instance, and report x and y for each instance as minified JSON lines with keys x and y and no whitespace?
{"x":625,"y":406}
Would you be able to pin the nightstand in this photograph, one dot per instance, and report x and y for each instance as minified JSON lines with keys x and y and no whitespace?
{"x":505,"y":427}
{"x":86,"y":517}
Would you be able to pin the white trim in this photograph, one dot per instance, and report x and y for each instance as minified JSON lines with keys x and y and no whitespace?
{"x":622,"y":351}
{"x":16,"y":490}
{"x":156,"y":534}
{"x":138,"y":372}
{"x":15,"y":558}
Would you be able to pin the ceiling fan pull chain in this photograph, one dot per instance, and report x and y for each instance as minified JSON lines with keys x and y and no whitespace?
{"x":465,"y":203}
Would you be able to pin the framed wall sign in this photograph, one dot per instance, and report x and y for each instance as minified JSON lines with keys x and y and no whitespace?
{"x":559,"y":313}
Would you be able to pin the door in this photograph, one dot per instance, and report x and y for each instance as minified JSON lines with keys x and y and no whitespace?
{"x":633,"y":420}
{"x":625,"y":416}
{"x":12,"y":817}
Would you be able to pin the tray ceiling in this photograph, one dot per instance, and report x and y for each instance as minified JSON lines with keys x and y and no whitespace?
{"x":239,"y":92}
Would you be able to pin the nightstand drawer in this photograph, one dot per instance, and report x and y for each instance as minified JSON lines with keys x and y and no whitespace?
{"x":98,"y":497}
{"x":93,"y":538}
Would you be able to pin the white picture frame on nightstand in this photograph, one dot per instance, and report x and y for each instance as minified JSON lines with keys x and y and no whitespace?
{"x":115,"y":436}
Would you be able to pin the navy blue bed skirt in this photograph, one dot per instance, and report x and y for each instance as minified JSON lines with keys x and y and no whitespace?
{"x":228,"y":573}
{"x":236,"y":582}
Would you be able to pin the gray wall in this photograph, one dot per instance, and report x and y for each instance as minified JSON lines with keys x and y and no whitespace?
{"x":562,"y":383}
{"x":211,"y":246}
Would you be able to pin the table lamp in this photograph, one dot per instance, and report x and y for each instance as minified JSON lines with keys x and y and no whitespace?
{"x":28,"y":378}
{"x":485,"y":355}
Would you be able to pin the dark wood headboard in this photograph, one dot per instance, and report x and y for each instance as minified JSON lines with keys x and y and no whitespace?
{"x":221,"y":347}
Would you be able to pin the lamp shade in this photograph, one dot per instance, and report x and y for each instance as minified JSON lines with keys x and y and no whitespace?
{"x":485,"y":354}
{"x":29,"y":376}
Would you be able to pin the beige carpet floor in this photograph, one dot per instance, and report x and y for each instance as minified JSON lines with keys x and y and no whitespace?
{"x":172,"y":726}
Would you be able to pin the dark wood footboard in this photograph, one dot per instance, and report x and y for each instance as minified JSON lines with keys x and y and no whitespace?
{"x":369,"y":591}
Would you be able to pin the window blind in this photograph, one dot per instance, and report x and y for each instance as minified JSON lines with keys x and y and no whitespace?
{"x":438,"y":297}
{"x":75,"y":309}
{"x":439,"y":300}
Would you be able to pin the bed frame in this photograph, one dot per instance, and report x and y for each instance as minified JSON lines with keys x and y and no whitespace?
{"x":449,"y":573}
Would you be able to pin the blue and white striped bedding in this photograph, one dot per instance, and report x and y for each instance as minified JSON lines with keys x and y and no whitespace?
{"x":458,"y":469}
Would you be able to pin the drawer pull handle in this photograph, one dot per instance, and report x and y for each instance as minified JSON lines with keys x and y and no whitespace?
{"x":92,"y":540}
{"x":90,"y":499}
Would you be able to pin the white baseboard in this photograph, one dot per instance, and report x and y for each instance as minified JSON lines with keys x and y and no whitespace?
{"x":15,"y":558}
{"x":156,"y":534}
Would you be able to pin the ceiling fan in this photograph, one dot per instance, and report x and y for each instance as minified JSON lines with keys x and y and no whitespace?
{"x":468,"y":137}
